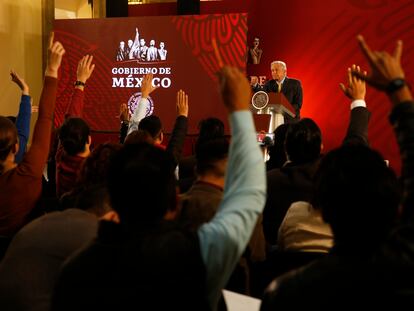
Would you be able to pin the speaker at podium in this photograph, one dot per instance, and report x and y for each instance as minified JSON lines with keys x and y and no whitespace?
{"x":271,"y":110}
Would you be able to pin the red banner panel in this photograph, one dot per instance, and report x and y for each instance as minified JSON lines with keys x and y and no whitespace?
{"x":177,"y":50}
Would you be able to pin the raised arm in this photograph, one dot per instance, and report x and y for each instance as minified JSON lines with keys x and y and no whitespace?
{"x":35,"y":159}
{"x":83,"y":73}
{"x":24,"y":115}
{"x":135,"y":45}
{"x":357,"y":132}
{"x":224,"y":239}
{"x":146,"y":89}
{"x":176,"y":141}
{"x":387,"y":75}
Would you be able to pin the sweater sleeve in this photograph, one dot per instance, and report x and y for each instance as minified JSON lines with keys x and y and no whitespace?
{"x":223,"y":240}
{"x":75,"y":108}
{"x":23,"y":126}
{"x":35,"y":159}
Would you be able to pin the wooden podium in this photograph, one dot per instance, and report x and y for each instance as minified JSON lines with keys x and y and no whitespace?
{"x":276,"y":110}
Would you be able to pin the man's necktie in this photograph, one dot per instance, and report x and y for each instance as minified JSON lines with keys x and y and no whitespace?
{"x":279,"y":87}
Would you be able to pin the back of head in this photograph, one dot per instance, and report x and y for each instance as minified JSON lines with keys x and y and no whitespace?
{"x":73,"y":135}
{"x":139,"y":136}
{"x":209,"y":155}
{"x":12,"y":118}
{"x":303,"y":141}
{"x":276,"y":151}
{"x":94,"y":169}
{"x":151,"y":124}
{"x":8,"y":138}
{"x":141,"y":184}
{"x":210,"y":128}
{"x":91,"y":193}
{"x":358,"y":194}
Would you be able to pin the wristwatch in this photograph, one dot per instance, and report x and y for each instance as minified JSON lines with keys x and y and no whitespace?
{"x":77,"y":83}
{"x":395,"y":85}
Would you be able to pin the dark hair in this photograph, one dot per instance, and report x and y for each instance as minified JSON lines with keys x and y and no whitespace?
{"x":73,"y":135}
{"x":277,"y":154}
{"x":141,"y":184}
{"x":91,"y":191}
{"x":94,"y":199}
{"x":94,"y":169}
{"x":303,"y":141}
{"x":139,"y":136}
{"x":209,"y":153}
{"x":8,"y":138}
{"x":151,"y":124}
{"x":210,"y":128}
{"x":358,"y":195}
{"x":12,"y":118}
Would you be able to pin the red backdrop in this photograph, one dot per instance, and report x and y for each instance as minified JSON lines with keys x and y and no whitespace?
{"x":316,"y":38}
{"x":190,"y":65}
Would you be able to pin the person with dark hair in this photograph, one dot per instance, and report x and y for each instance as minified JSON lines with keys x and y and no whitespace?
{"x":303,"y":141}
{"x":134,"y":263}
{"x":22,"y":120}
{"x":371,"y":262}
{"x":21,"y":184}
{"x":74,"y":134}
{"x":277,"y":153}
{"x":200,"y":203}
{"x":139,"y":136}
{"x":152,"y":125}
{"x":294,"y":181}
{"x":31,"y":265}
{"x":209,"y":128}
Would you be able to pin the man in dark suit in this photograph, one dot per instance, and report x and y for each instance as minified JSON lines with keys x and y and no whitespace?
{"x":291,"y":88}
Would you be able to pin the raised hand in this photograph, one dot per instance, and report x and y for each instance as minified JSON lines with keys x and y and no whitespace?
{"x":182,"y":103}
{"x":20,"y":82}
{"x":55,"y":54}
{"x":85,"y":68}
{"x":384,"y":66}
{"x":235,"y":89}
{"x":146,"y":85}
{"x":356,"y":88}
{"x":123,"y":113}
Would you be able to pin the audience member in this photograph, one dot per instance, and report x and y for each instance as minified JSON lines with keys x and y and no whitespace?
{"x":33,"y":259}
{"x":74,"y":134}
{"x":371,"y":262}
{"x":277,"y":153}
{"x":200,"y":203}
{"x":210,"y":128}
{"x":20,"y":184}
{"x":134,"y":262}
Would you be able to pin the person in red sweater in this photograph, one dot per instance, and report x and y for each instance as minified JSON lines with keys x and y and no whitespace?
{"x":21,"y":184}
{"x":74,"y":134}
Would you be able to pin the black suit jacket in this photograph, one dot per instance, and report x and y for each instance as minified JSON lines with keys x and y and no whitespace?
{"x":291,"y":88}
